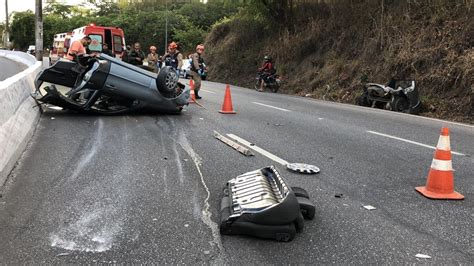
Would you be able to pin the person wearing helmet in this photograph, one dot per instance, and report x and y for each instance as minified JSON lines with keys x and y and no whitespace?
{"x":153,"y":59}
{"x":173,"y":57}
{"x":197,"y":65}
{"x":265,"y":71}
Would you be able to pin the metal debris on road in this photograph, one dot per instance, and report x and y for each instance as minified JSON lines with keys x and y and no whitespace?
{"x":303,"y":168}
{"x":369,"y":207}
{"x":338,"y":195}
{"x":63,"y":254}
{"x":233,"y":144}
{"x":52,"y":118}
{"x":422,"y":256}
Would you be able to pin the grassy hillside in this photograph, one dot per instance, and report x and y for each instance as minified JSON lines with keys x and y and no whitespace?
{"x":332,"y":49}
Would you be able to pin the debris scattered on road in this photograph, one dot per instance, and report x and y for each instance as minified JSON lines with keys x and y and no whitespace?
{"x":422,"y":256}
{"x":338,"y":195}
{"x":369,"y":207}
{"x":63,"y":254}
{"x":233,"y":144}
{"x":303,"y":168}
{"x":52,"y":118}
{"x":186,"y":225}
{"x":155,"y":219}
{"x":271,"y":209}
{"x":165,"y":158}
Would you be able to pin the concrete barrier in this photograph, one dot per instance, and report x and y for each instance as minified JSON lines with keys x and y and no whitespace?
{"x":18,"y":115}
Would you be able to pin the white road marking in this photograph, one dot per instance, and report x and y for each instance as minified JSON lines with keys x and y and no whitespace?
{"x":208,"y":91}
{"x":259,"y":150}
{"x":274,"y":107}
{"x":412,"y":142}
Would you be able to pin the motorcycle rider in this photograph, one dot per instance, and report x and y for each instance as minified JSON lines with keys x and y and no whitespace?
{"x":173,"y":57}
{"x":265,"y":71}
{"x":197,"y":64}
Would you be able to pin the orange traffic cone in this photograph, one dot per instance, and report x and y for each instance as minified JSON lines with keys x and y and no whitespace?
{"x":192,"y":98}
{"x":440,"y":181}
{"x":227,"y":105}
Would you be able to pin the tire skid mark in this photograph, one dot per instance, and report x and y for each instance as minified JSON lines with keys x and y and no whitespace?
{"x":93,"y":147}
{"x":93,"y":228}
{"x":205,"y":213}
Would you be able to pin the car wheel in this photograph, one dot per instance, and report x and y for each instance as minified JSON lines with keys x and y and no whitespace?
{"x":399,"y":104}
{"x":167,"y":81}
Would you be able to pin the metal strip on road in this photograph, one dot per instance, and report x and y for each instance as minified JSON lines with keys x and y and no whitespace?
{"x":274,"y":107}
{"x":259,"y":150}
{"x":411,"y":141}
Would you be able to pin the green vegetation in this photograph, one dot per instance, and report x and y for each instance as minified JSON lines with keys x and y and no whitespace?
{"x":329,"y":49}
{"x":145,"y":21}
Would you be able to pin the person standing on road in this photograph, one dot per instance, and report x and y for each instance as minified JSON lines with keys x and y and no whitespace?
{"x":78,"y":47}
{"x":136,"y":56}
{"x":197,"y":64}
{"x":153,"y":59}
{"x":173,"y":57}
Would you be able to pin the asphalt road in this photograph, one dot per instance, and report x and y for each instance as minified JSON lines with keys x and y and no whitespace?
{"x":9,"y":68}
{"x":146,"y":188}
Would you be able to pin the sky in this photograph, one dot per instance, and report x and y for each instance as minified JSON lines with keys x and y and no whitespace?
{"x":23,"y":5}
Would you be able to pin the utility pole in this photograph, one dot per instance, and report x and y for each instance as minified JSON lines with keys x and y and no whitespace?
{"x":166,"y":26}
{"x":6,"y":35}
{"x":39,"y":30}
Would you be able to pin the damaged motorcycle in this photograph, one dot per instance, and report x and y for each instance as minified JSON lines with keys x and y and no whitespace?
{"x":106,"y":85}
{"x":398,"y":95}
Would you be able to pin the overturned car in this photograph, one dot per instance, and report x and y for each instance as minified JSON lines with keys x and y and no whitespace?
{"x":106,"y":85}
{"x":397,"y":95}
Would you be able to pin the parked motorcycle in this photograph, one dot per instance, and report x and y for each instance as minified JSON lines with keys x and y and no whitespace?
{"x":272,"y":82}
{"x":398,"y":95}
{"x":106,"y":85}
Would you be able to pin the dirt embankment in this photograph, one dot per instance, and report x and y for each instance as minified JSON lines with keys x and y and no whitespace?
{"x":333,"y":49}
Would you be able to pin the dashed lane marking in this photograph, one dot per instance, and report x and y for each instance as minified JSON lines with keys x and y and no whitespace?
{"x":271,"y":106}
{"x":410,"y":141}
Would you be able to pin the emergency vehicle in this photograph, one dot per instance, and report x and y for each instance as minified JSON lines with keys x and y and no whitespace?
{"x":112,"y":36}
{"x":59,"y":50}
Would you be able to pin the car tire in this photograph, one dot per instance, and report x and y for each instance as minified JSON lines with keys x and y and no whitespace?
{"x":167,"y":81}
{"x":399,"y":104}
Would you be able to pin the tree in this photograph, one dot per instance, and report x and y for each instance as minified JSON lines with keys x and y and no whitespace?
{"x":22,"y":30}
